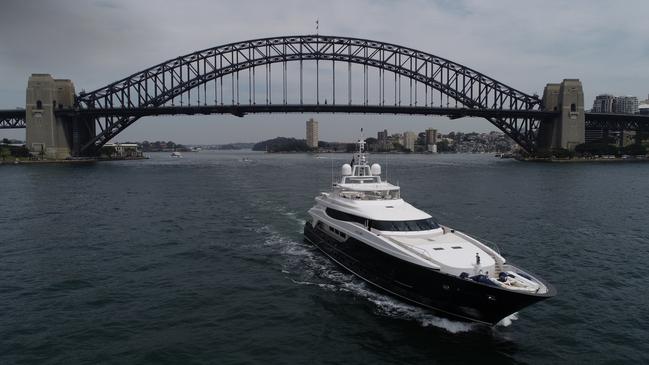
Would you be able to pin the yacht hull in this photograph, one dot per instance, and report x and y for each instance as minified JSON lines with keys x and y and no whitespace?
{"x":444,"y":294}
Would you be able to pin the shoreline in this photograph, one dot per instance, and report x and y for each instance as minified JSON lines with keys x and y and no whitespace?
{"x":583,"y":160}
{"x":69,"y":161}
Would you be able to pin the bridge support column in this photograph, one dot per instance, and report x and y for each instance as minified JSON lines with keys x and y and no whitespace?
{"x":569,"y":128}
{"x":48,"y":136}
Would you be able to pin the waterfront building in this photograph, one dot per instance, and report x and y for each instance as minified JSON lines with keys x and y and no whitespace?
{"x":431,"y":140}
{"x":125,"y":150}
{"x":603,"y":103}
{"x":409,"y":139}
{"x":626,"y":104}
{"x":312,"y":133}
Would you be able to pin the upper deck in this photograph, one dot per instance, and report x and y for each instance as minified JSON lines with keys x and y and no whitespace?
{"x":360,"y":181}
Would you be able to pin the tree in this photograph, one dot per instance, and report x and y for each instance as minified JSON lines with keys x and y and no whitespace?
{"x":6,"y":141}
{"x":421,"y":139}
{"x":634,"y":150}
{"x":108,"y":151}
{"x":562,"y":153}
{"x":5,"y":152}
{"x":442,"y":146}
{"x":371,"y":140}
{"x":596,"y":148}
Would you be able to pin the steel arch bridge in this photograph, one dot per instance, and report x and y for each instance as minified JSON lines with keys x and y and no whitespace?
{"x":237,"y":78}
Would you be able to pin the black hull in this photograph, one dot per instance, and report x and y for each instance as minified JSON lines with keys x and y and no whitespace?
{"x":440,"y":292}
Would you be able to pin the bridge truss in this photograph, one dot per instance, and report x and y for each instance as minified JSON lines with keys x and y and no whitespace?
{"x":306,"y":73}
{"x":12,"y":119}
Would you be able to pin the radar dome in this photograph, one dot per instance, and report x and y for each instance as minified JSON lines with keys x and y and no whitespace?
{"x":346,"y":169}
{"x":376,"y":169}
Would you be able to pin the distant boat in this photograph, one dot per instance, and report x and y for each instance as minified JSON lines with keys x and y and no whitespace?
{"x":246,"y":159}
{"x":176,"y":154}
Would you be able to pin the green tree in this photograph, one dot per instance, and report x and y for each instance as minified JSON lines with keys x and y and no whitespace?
{"x":596,"y":148}
{"x":421,"y":139}
{"x":562,"y":153}
{"x":634,"y":150}
{"x":108,"y":151}
{"x":443,"y":146}
{"x":5,"y":152}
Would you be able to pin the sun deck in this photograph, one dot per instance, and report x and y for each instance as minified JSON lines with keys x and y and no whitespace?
{"x":448,"y":250}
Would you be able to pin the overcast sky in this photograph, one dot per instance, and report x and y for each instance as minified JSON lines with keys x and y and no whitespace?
{"x":524,"y":44}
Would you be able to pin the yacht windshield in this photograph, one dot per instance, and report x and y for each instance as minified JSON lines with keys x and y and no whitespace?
{"x":394,"y":226}
{"x":371,"y":194}
{"x":416,"y":225}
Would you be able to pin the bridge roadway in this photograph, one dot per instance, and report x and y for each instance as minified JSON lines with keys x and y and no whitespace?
{"x":242,"y":110}
{"x":15,"y":118}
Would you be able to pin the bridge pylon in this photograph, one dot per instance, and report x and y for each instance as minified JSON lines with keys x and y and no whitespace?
{"x":568,"y":129}
{"x":49,"y":136}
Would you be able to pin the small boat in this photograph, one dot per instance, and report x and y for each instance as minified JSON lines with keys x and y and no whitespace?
{"x":365,"y":226}
{"x":176,"y":154}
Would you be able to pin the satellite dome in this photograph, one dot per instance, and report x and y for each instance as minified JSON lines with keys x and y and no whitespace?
{"x":346,"y":170}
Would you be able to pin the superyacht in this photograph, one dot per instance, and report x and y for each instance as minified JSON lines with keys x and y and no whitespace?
{"x":365,"y":226}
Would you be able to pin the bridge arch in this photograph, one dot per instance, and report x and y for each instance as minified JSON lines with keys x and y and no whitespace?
{"x":174,"y":79}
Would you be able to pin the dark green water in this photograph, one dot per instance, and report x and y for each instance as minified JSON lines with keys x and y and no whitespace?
{"x":201,"y":260}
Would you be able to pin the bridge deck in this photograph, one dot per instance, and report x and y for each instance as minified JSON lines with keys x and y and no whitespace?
{"x":15,"y":118}
{"x":241,"y":110}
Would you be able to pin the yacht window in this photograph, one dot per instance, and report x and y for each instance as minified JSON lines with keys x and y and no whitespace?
{"x":415,"y":225}
{"x":361,"y":180}
{"x":368,"y":195}
{"x":336,"y":214}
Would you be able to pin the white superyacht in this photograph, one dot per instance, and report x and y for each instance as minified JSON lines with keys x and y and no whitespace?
{"x":365,"y":226}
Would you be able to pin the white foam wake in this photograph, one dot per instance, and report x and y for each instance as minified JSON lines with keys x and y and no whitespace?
{"x":507,"y":321}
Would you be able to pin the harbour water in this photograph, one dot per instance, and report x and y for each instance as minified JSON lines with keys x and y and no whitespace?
{"x":201,"y":260}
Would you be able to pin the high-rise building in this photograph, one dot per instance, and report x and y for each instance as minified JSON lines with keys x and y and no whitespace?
{"x":431,"y":140}
{"x":409,"y":139}
{"x":603,"y":103}
{"x":606,"y":103}
{"x":312,"y":133}
{"x":382,"y":135}
{"x":626,"y":104}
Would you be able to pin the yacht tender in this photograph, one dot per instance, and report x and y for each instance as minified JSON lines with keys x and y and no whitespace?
{"x":365,"y":226}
